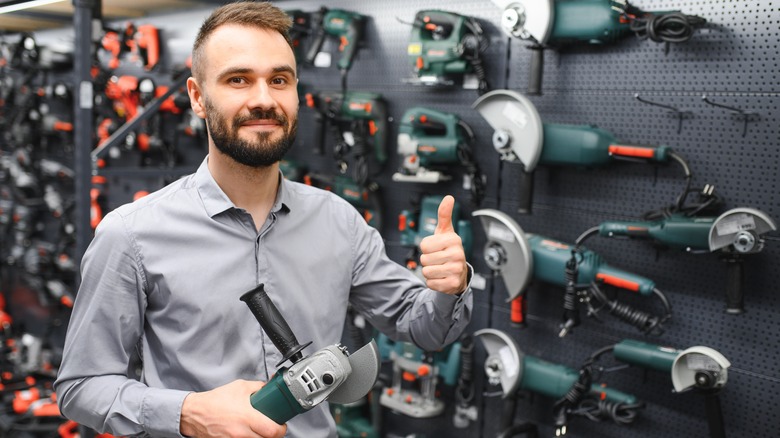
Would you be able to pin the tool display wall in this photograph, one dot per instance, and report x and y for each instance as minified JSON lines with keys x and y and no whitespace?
{"x":712,"y":99}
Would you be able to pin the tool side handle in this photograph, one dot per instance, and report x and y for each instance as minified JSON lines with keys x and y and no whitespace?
{"x":536,"y":71}
{"x":658,"y":154}
{"x":273,"y":323}
{"x":735,"y":278}
{"x":611,"y":394}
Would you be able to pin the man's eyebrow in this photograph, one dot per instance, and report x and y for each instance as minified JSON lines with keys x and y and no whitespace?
{"x":246,"y":70}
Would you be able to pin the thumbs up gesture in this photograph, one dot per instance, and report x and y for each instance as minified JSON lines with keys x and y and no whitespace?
{"x":443,"y":258}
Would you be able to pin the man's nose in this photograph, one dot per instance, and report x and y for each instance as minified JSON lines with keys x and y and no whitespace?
{"x":261,"y":97}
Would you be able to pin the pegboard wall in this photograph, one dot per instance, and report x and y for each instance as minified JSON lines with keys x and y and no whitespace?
{"x":733,"y":61}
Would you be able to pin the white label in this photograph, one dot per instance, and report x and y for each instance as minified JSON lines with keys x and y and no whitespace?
{"x":470,"y":82}
{"x":478,"y":282}
{"x":508,"y":359}
{"x":701,"y":362}
{"x":85,"y":95}
{"x":500,"y":232}
{"x":516,"y":114}
{"x":349,"y":138}
{"x":323,"y":59}
{"x":735,"y":224}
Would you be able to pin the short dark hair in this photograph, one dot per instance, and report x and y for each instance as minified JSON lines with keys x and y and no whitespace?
{"x":258,"y":14}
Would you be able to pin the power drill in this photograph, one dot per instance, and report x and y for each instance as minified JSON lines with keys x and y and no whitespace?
{"x":520,"y":257}
{"x":360,"y":119}
{"x":431,"y":142}
{"x":331,"y":373}
{"x":445,"y":46}
{"x":347,"y":27}
{"x":506,"y":365}
{"x":520,"y":136}
{"x":563,"y":22}
{"x":301,"y":27}
{"x":421,"y":223}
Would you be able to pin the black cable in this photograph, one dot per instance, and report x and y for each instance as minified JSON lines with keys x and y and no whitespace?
{"x":674,"y":27}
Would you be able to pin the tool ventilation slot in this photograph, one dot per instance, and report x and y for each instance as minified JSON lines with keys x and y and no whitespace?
{"x":310,"y":380}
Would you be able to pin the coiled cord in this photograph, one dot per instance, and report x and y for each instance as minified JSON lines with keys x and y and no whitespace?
{"x":645,"y":322}
{"x":619,"y":412}
{"x":674,"y":27}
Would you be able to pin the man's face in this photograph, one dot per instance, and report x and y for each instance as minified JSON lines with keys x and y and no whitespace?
{"x":248,"y":94}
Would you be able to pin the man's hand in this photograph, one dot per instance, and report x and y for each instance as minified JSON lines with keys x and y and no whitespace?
{"x":226,"y":412}
{"x":443,"y":258}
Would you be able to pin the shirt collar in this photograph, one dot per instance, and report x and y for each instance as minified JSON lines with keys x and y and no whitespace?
{"x":216,"y":201}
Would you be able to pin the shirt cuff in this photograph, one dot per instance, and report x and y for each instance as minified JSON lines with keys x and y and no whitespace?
{"x":452,"y":305}
{"x":161,"y":412}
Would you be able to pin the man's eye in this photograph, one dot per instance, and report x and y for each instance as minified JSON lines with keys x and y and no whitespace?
{"x":280,"y":81}
{"x":237,"y":80}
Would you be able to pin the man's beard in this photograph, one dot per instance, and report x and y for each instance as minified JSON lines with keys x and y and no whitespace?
{"x":262,"y":152}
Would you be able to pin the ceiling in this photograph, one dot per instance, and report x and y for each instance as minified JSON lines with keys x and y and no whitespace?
{"x":60,"y":14}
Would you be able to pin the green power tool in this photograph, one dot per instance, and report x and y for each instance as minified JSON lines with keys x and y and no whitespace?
{"x":698,"y":368}
{"x":520,"y":136}
{"x":444,"y":47}
{"x":359,"y":119}
{"x":519,"y":257}
{"x":416,"y":375}
{"x":432,"y":142}
{"x":506,"y":365}
{"x":365,"y":198}
{"x":347,"y":27}
{"x":733,"y":235}
{"x":417,"y":225}
{"x":562,"y":22}
{"x":331,"y":373}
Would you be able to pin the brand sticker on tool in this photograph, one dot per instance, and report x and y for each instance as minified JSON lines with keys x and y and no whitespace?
{"x":701,"y":362}
{"x":735,"y":224}
{"x":515,"y":114}
{"x":499,"y":232}
{"x":508,"y":360}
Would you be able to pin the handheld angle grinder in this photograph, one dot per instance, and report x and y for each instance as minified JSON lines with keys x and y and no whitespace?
{"x":331,"y":373}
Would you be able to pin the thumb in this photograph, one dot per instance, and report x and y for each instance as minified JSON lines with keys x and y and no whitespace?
{"x":444,"y":224}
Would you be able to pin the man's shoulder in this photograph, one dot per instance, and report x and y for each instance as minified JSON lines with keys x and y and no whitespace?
{"x":173,"y":196}
{"x":311,"y":197}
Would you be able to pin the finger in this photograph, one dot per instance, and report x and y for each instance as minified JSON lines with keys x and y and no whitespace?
{"x":444,"y":225}
{"x":439,"y":242}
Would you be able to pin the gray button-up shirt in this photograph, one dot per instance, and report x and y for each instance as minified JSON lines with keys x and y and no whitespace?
{"x":160,"y":291}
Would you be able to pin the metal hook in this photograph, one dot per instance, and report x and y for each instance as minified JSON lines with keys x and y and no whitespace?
{"x":677,"y":113}
{"x":747,"y":116}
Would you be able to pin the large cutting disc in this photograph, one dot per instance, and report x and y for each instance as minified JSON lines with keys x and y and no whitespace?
{"x":510,"y":113}
{"x":740,"y":223}
{"x":504,"y":364}
{"x":527,"y":19}
{"x":507,"y":250}
{"x":365,"y":370}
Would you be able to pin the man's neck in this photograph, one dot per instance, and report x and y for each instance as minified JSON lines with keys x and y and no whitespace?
{"x":250,"y":188}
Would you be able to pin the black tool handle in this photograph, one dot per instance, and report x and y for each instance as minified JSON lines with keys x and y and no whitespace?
{"x":273,"y":323}
{"x":735,"y":279}
{"x":714,"y":416}
{"x":319,"y":134}
{"x":526,"y":194}
{"x":536,"y":71}
{"x":319,"y":35}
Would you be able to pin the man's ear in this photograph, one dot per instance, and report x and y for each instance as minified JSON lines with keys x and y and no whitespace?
{"x":196,"y":98}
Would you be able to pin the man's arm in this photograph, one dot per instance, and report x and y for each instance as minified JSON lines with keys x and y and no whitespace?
{"x":93,"y":386}
{"x":397,"y":303}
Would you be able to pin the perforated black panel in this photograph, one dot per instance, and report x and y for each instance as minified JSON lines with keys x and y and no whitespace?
{"x":733,"y":61}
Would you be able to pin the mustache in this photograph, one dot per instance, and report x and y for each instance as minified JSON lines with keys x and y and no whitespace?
{"x":260,"y":115}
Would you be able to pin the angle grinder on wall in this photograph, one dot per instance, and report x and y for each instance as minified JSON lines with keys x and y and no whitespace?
{"x":331,"y":373}
{"x":701,"y":369}
{"x":557,"y":23}
{"x":732,"y":235}
{"x":520,"y":136}
{"x":520,"y":257}
{"x":507,"y":366}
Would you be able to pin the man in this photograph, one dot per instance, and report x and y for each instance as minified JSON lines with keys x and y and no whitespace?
{"x":161,"y":281}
